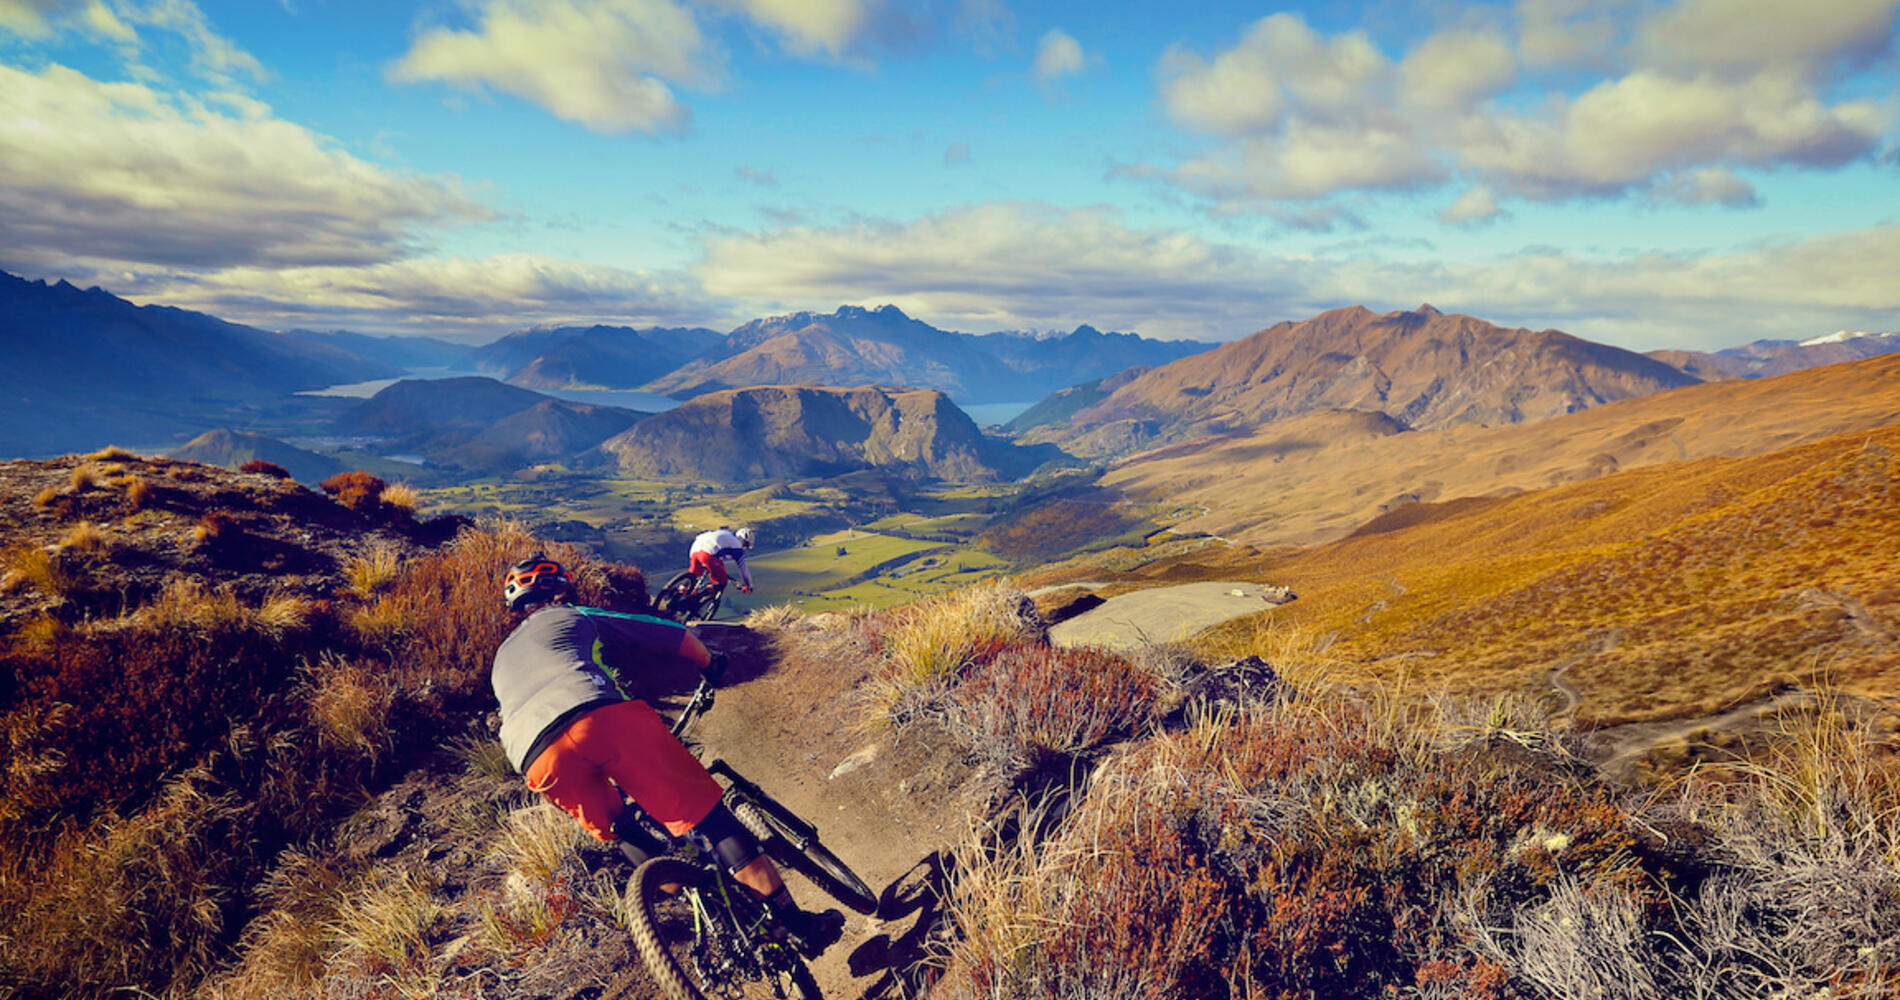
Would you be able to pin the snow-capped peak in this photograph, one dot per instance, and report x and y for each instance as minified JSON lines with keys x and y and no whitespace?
{"x":1841,"y":336}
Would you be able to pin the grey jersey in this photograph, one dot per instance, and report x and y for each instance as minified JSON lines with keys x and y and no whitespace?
{"x":561,"y":660}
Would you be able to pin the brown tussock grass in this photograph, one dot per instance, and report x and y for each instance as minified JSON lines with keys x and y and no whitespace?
{"x":372,"y":569}
{"x":351,"y":703}
{"x":85,"y":538}
{"x":34,"y":566}
{"x":402,"y":496}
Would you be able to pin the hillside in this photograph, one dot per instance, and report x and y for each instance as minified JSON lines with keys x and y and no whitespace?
{"x":230,"y":449}
{"x":286,"y":788}
{"x":93,"y":368}
{"x":856,"y":346}
{"x":779,"y":432}
{"x":1423,"y":369}
{"x":1319,"y":476}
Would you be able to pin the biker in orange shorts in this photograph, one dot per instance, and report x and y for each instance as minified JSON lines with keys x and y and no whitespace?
{"x":579,"y":740}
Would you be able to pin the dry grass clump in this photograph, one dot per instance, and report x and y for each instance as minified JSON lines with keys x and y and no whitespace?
{"x":283,"y":614}
{"x":83,"y":478}
{"x":925,"y":647}
{"x":35,"y":566}
{"x":373,"y":568}
{"x":384,"y":928}
{"x":84,"y":538}
{"x":148,"y":898}
{"x":402,"y":496}
{"x":138,"y":492}
{"x":351,"y":703}
{"x":113,"y":453}
{"x":774,"y":617}
{"x":185,"y":603}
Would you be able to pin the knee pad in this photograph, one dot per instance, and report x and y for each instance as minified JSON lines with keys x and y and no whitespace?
{"x":721,"y":835}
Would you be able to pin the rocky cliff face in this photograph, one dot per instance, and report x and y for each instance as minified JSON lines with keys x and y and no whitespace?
{"x":1424,"y":369}
{"x":779,"y":432}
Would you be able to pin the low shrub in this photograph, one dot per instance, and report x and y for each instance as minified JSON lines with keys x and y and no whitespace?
{"x":1030,"y":703}
{"x":356,"y":490}
{"x":261,"y":467}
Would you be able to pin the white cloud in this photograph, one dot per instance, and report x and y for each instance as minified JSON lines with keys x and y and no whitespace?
{"x":464,"y":298}
{"x":1007,"y":265}
{"x":1059,"y":54}
{"x":1750,"y":36}
{"x":212,"y":55}
{"x":809,"y":26}
{"x":608,"y":66}
{"x":1565,"y":33}
{"x":1312,"y":161}
{"x":1708,"y":186}
{"x":1623,"y":132}
{"x":1452,"y":70}
{"x":1476,"y":207}
{"x":1293,"y":115}
{"x":133,"y":175}
{"x":1029,"y":265}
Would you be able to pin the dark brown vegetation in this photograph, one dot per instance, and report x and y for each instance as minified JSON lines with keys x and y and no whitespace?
{"x":195,"y":685}
{"x":1306,"y":839}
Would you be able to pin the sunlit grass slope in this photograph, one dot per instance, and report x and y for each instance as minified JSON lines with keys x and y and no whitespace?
{"x":1661,"y":592}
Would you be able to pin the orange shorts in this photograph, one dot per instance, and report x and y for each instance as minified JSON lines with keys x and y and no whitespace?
{"x":624,"y":746}
{"x":704,"y":563}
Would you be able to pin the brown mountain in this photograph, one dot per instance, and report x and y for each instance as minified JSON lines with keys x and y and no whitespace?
{"x":1423,"y":369}
{"x":1322,"y":475}
{"x":777,"y":432}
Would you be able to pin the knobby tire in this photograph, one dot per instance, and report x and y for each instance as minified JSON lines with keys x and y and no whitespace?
{"x":655,"y":921}
{"x":816,"y":862}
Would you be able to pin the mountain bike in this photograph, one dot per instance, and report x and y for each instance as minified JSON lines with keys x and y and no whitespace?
{"x":700,"y":932}
{"x":688,"y":598}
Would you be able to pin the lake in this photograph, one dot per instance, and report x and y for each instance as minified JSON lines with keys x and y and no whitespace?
{"x":649,"y":402}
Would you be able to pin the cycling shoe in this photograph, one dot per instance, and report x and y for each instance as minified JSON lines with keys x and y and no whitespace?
{"x":812,"y":933}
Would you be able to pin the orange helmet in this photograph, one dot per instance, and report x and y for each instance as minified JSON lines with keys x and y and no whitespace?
{"x":536,"y":578}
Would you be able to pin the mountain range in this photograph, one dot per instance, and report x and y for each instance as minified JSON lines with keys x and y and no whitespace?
{"x":883,"y":346}
{"x":1779,"y":357}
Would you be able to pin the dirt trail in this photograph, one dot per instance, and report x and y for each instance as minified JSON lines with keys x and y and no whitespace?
{"x":1161,"y":614}
{"x":789,"y":727}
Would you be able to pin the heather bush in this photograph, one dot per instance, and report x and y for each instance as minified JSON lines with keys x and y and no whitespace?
{"x":356,"y":490}
{"x":272,"y":469}
{"x":1289,"y":852}
{"x":1028,"y":704}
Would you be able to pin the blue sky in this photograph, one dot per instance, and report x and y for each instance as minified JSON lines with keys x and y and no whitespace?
{"x":1652,"y":174}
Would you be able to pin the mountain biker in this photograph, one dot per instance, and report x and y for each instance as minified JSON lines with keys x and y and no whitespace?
{"x":568,"y":727}
{"x":712,"y":548}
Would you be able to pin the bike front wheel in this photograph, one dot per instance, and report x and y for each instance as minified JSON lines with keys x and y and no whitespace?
{"x":813,"y":860}
{"x":692,"y":953}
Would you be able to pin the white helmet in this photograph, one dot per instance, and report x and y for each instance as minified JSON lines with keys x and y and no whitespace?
{"x":746,"y":535}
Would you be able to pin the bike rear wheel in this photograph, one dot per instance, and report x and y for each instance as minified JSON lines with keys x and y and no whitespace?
{"x":814,"y":861}
{"x":675,"y":599}
{"x":692,"y":957}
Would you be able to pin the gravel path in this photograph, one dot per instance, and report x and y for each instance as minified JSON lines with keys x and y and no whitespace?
{"x":1161,"y":614}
